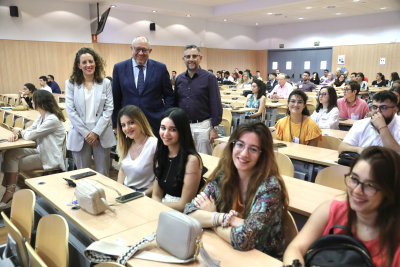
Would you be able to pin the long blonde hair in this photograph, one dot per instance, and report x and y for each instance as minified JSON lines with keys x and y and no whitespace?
{"x":241,"y":78}
{"x":138,"y":117}
{"x":265,"y":167}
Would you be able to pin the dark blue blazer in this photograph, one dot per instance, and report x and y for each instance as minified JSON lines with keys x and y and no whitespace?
{"x":156,"y":89}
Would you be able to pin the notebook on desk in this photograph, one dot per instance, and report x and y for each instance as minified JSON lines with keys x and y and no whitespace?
{"x":280,"y":145}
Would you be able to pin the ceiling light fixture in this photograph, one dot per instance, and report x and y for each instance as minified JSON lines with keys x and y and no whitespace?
{"x":113,"y":6}
{"x":308,"y":7}
{"x":383,"y":7}
{"x":257,"y":23}
{"x":300,"y":18}
{"x":338,"y":13}
{"x":154,"y":11}
{"x":225,"y":19}
{"x":269,"y":13}
{"x":188,"y":15}
{"x":356,"y":0}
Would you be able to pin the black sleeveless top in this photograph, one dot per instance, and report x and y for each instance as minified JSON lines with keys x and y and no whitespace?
{"x":168,"y":179}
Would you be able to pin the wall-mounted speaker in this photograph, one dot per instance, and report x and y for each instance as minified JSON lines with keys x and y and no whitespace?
{"x":14,"y":11}
{"x":152,"y":26}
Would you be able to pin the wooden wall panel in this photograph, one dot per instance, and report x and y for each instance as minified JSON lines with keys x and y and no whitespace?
{"x":366,"y":59}
{"x":262,"y":63}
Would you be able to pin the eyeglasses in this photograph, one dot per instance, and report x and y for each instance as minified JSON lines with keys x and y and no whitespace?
{"x":368,"y":189}
{"x":253,"y":150}
{"x":144,"y":50}
{"x":293,"y":102}
{"x":381,"y":108}
{"x":322,"y":94}
{"x":346,"y":89}
{"x":193,"y":56}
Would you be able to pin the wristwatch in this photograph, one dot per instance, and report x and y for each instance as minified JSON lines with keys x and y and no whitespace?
{"x":216,"y":128}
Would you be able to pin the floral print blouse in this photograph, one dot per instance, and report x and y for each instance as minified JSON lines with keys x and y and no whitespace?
{"x":262,"y":229}
{"x":251,"y":103}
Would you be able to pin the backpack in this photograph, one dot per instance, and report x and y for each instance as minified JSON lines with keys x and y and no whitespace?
{"x":347,"y":157}
{"x":338,"y":250}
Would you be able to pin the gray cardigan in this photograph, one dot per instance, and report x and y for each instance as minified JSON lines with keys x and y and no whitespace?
{"x":49,"y":136}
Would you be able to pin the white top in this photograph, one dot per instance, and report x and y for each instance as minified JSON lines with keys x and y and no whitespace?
{"x":363,"y":134}
{"x":90,"y":113}
{"x":47,"y":88}
{"x":260,"y":78}
{"x":327,"y":120}
{"x":139,"y":172}
{"x":136,"y":70}
{"x":230,"y":79}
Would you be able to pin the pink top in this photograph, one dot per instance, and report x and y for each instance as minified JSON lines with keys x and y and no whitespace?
{"x":359,"y":109}
{"x":282,"y":91}
{"x":338,"y":215}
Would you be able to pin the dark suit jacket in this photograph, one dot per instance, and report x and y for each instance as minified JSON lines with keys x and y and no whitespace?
{"x":156,"y":89}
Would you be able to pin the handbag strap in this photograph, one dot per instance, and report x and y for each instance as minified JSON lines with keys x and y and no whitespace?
{"x":105,"y":202}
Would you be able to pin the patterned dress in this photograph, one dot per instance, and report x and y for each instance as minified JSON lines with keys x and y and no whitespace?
{"x":262,"y":229}
{"x":253,"y":103}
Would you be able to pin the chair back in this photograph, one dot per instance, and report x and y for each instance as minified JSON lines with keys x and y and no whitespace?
{"x":333,"y":177}
{"x":285,"y":165}
{"x":329,"y":142}
{"x":290,"y":230}
{"x":19,"y":122}
{"x":311,"y":108}
{"x":13,"y":231}
{"x":237,"y":104}
{"x":227,"y":114}
{"x":23,"y":212}
{"x":5,"y":126}
{"x":218,"y":150}
{"x":28,"y":124}
{"x":34,"y":259}
{"x":10,"y":120}
{"x":242,"y":98}
{"x":226,"y":97}
{"x":52,"y":241}
{"x":227,"y":126}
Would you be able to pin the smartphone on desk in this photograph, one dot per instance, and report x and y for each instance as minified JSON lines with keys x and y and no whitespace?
{"x":3,"y":140}
{"x":129,"y":197}
{"x":82,"y":175}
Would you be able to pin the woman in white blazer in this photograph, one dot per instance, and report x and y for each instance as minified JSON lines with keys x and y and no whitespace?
{"x":89,"y":104}
{"x":326,"y":115}
{"x":49,"y":133}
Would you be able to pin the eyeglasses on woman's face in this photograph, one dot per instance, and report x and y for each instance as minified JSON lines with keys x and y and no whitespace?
{"x":239,"y":146}
{"x":322,"y":94}
{"x":368,"y":188}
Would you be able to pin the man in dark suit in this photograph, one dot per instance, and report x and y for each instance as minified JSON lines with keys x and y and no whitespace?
{"x":142,"y":82}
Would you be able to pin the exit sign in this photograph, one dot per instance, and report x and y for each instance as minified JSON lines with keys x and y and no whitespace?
{"x":316,"y":43}
{"x":281,"y":46}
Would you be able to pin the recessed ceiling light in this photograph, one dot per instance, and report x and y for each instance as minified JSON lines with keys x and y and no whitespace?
{"x":338,"y":13}
{"x":154,"y":11}
{"x":356,"y":0}
{"x":257,"y":23}
{"x":225,"y":19}
{"x":269,"y":13}
{"x":308,"y":7}
{"x":188,"y":15}
{"x":300,"y":18}
{"x":113,"y":6}
{"x":383,"y":7}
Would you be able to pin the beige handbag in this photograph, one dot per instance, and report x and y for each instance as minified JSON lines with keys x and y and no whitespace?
{"x":92,"y":198}
{"x":177,"y":234}
{"x":20,"y":108}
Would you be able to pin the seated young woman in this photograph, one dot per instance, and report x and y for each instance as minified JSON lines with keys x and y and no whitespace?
{"x":326,"y":115}
{"x":245,"y":198}
{"x":361,"y":81}
{"x":371,"y":210}
{"x":297,"y":126}
{"x":396,"y":90}
{"x":315,"y":78}
{"x":257,"y":99}
{"x":338,"y":82}
{"x":244,"y":81}
{"x":25,"y":96}
{"x":331,"y":78}
{"x":177,"y":165}
{"x":136,"y":148}
{"x":49,"y":133}
{"x":380,"y":80}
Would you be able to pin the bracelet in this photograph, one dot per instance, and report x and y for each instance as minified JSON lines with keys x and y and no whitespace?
{"x":213,"y":219}
{"x":217,"y":219}
{"x":382,"y":128}
{"x":223,"y":220}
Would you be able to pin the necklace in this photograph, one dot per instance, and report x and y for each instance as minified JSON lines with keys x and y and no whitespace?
{"x":170,"y":164}
{"x":140,"y":145}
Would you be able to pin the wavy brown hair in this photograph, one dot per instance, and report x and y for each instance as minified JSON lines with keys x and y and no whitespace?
{"x":385,"y":171}
{"x":46,"y":101}
{"x":265,"y":167}
{"x":138,"y":117}
{"x":99,"y":72}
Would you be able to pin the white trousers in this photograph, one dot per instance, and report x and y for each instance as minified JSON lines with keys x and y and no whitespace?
{"x":201,"y":136}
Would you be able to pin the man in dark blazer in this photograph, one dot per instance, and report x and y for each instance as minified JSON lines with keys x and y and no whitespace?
{"x":142,"y":82}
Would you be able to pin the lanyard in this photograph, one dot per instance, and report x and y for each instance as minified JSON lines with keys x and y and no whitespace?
{"x":290,"y":128}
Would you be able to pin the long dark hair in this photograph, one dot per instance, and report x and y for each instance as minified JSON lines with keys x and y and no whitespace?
{"x":186,"y":146}
{"x":385,"y":171}
{"x":338,"y":82}
{"x":30,"y":87}
{"x":332,"y":99}
{"x":397,"y":90}
{"x":99,"y":72}
{"x":382,"y":76}
{"x":262,"y":88}
{"x":395,"y":76}
{"x":303,"y":95}
{"x":46,"y":101}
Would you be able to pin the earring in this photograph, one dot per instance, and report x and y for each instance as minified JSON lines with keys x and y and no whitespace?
{"x":126,"y":136}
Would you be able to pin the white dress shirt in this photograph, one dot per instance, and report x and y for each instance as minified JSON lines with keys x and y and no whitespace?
{"x":363,"y":134}
{"x":47,"y":88}
{"x":230,"y":79}
{"x":325,"y":119}
{"x":136,"y":70}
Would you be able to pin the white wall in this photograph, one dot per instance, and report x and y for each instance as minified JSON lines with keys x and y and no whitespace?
{"x":365,"y":29}
{"x":41,"y":20}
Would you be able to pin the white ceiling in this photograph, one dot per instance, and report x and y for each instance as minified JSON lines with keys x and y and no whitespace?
{"x":250,"y":12}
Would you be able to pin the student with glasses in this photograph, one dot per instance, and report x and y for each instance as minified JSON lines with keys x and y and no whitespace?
{"x":297,"y":126}
{"x":383,"y":129}
{"x":350,"y":106}
{"x":245,"y":198}
{"x":326,"y":115}
{"x":371,"y":210}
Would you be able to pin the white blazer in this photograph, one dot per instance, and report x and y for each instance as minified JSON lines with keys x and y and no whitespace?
{"x":327,"y":120}
{"x":75,"y":105}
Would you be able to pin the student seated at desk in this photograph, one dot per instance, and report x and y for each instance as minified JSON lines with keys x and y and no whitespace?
{"x":394,"y":77}
{"x":396,"y":90}
{"x":315,"y":78}
{"x":297,"y":126}
{"x":177,"y":165}
{"x":383,"y":129}
{"x":49,"y":133}
{"x":363,"y":84}
{"x":244,"y":81}
{"x":331,"y":78}
{"x":326,"y":115}
{"x":136,"y":147}
{"x":272,"y":80}
{"x":338,"y":82}
{"x":380,"y":80}
{"x":350,"y":106}
{"x":245,"y":198}
{"x":306,"y":85}
{"x":256,"y":100}
{"x":371,"y":210}
{"x":282,"y":90}
{"x":25,"y":96}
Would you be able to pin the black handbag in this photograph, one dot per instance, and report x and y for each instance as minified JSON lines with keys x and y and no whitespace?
{"x":335,"y":250}
{"x":347,"y":157}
